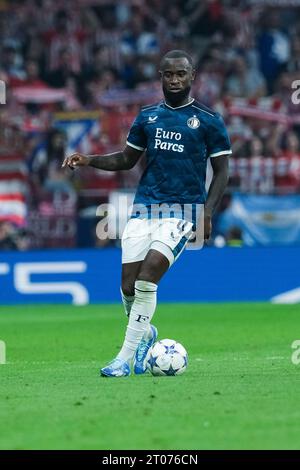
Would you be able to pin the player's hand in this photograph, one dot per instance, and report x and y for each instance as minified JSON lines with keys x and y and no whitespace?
{"x":75,"y":160}
{"x":207,"y":226}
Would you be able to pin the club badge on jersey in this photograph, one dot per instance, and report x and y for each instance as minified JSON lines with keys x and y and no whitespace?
{"x":193,"y":122}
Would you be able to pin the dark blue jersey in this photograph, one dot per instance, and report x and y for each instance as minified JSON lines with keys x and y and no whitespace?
{"x":178,"y":142}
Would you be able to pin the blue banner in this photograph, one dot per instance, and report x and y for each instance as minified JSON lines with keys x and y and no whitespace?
{"x":209,"y":275}
{"x":264,"y":220}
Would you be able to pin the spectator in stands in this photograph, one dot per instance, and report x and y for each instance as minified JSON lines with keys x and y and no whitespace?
{"x":13,"y":238}
{"x":102,"y":80}
{"x":273,"y":48}
{"x":293,"y":66}
{"x":7,"y":236}
{"x":55,"y":150}
{"x":287,"y":178}
{"x":56,"y":182}
{"x":205,"y":18}
{"x":176,"y":24}
{"x":63,"y":70}
{"x":283,"y":90}
{"x":107,"y":40}
{"x":58,"y":193}
{"x":12,"y":62}
{"x":257,"y":180}
{"x":66,"y":32}
{"x":106,"y":52}
{"x":138,"y":42}
{"x":145,"y":70}
{"x":244,"y":81}
{"x":31,"y":76}
{"x":209,"y":82}
{"x":101,"y":61}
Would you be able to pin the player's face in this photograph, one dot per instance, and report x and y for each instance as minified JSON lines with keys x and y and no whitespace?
{"x":177,"y":76}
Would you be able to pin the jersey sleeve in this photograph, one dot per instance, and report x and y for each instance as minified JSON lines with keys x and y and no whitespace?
{"x":137,"y":137}
{"x":218,"y":142}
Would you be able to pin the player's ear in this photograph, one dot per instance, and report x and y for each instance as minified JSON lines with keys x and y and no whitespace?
{"x":193,"y":74}
{"x":160,"y":74}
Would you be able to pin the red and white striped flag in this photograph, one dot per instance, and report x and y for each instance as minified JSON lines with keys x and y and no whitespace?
{"x":13,"y":189}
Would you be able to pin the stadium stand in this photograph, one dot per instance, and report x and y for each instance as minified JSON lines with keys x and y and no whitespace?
{"x":76,"y":76}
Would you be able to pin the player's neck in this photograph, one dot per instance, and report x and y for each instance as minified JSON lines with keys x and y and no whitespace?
{"x":179,"y":104}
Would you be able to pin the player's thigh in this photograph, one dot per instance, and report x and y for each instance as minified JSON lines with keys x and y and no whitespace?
{"x":135,"y":246}
{"x":168,"y":240}
{"x":153,"y":267}
{"x":135,"y":240}
{"x":171,"y":238}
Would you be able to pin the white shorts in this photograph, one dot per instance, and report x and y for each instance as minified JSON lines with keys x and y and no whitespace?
{"x":169,"y":236}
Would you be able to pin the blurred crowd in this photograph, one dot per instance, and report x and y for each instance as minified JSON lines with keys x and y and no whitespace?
{"x":102,"y":56}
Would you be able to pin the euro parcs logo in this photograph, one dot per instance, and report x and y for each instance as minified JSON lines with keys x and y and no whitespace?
{"x":2,"y":92}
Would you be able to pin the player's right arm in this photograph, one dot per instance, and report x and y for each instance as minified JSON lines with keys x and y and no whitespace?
{"x":123,"y":160}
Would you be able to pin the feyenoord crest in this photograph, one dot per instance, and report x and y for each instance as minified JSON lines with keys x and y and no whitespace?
{"x":193,"y":122}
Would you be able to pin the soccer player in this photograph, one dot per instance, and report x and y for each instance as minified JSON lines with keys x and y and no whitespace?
{"x":178,"y":135}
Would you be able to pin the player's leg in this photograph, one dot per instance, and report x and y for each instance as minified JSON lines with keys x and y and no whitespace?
{"x":140,"y":334}
{"x":153,"y":268}
{"x":129,"y":275}
{"x":135,"y":245}
{"x":156,"y":267}
{"x":168,"y":242}
{"x":155,"y":264}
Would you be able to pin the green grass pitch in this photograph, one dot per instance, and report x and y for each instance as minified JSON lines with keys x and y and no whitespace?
{"x":240,"y":391}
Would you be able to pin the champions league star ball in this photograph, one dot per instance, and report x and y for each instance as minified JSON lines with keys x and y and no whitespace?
{"x":167,"y":357}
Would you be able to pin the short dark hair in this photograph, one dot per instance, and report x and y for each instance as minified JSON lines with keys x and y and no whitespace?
{"x":177,"y":54}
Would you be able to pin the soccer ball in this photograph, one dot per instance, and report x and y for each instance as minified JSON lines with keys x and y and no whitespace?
{"x":167,"y":357}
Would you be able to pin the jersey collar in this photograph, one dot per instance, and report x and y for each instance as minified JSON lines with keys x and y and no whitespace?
{"x":178,"y":107}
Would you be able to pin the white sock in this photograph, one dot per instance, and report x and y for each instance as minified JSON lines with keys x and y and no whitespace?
{"x":142,"y":311}
{"x":127,"y":303}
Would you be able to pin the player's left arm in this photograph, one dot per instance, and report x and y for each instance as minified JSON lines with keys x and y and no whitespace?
{"x":216,"y":190}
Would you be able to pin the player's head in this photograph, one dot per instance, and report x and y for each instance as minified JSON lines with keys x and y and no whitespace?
{"x":177,"y":73}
